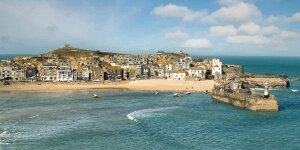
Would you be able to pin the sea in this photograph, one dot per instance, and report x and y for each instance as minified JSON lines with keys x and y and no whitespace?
{"x":135,"y":120}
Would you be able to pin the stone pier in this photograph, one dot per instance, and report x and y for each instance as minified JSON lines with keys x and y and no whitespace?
{"x":253,"y":101}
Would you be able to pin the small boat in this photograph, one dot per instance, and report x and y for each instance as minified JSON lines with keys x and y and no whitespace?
{"x":95,"y":95}
{"x":188,"y":93}
{"x":156,"y":93}
{"x":176,"y":95}
{"x":294,"y":90}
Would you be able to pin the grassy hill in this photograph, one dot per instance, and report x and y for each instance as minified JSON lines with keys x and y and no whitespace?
{"x":69,"y":51}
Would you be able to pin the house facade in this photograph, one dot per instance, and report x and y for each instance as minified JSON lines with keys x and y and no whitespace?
{"x":48,"y":73}
{"x":198,"y":72}
{"x":177,"y":75}
{"x":64,"y":73}
{"x":6,"y":72}
{"x":216,"y":68}
{"x":18,"y":74}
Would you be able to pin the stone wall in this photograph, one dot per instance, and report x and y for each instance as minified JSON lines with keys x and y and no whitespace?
{"x":272,"y":82}
{"x":253,"y":102}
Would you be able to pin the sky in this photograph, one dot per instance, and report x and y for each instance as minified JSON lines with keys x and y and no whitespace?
{"x":198,"y":27}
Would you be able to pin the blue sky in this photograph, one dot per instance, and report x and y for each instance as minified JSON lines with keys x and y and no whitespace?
{"x":200,"y":27}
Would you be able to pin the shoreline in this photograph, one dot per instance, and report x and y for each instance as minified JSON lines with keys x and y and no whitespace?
{"x":137,"y":85}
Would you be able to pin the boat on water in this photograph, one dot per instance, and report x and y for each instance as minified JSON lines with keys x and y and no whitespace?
{"x":188,"y":93}
{"x":176,"y":95}
{"x":156,"y":93}
{"x":294,"y":90}
{"x":95,"y":95}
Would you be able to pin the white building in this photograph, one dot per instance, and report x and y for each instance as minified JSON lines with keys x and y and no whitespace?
{"x":18,"y":74}
{"x":176,"y":75}
{"x":216,"y":68}
{"x":182,"y":64}
{"x":5,"y":72}
{"x":86,"y":73}
{"x":48,"y":73}
{"x":64,"y":73}
{"x":199,"y":72}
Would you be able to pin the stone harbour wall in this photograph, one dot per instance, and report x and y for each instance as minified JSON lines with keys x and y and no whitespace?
{"x":252,"y":102}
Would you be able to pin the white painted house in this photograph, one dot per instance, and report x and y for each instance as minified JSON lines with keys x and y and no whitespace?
{"x":5,"y":72}
{"x":176,"y":75}
{"x":64,"y":73}
{"x":216,"y":68}
{"x":199,"y":72}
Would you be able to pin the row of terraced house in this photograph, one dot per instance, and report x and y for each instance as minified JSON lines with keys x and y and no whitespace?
{"x":172,"y":66}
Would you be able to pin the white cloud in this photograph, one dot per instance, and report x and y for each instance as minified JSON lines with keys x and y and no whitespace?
{"x":287,"y":35}
{"x":197,"y":43}
{"x":229,"y":2}
{"x":251,"y":33}
{"x":247,"y":39}
{"x":294,"y":18}
{"x":36,"y":24}
{"x":222,"y":30}
{"x":249,"y":28}
{"x":235,"y":13}
{"x":176,"y":35}
{"x":273,"y":19}
{"x":231,"y":11}
{"x":172,"y":10}
{"x":269,"y":30}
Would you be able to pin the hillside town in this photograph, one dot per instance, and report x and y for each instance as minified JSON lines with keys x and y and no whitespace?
{"x":69,"y":64}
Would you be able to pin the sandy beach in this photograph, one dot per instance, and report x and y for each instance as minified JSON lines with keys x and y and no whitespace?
{"x":144,"y":85}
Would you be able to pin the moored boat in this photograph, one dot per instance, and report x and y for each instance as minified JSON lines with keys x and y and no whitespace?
{"x":95,"y":95}
{"x":188,"y":93}
{"x":176,"y":95}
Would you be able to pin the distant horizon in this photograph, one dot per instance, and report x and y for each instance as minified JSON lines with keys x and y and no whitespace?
{"x":193,"y":55}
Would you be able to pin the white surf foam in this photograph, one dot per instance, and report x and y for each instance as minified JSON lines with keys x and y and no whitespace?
{"x":293,"y":90}
{"x":147,"y":113}
{"x":4,"y":134}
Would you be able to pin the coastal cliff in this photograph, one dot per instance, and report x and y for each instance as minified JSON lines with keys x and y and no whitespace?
{"x":253,"y":101}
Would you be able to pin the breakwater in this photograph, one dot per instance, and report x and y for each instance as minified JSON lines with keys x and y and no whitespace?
{"x":253,"y":101}
{"x":272,"y":82}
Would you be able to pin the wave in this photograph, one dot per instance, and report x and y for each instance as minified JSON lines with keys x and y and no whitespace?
{"x":147,"y":113}
{"x":4,"y":134}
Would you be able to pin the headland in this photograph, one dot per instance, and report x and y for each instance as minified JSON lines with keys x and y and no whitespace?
{"x":70,"y":68}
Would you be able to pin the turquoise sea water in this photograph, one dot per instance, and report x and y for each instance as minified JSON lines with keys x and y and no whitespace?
{"x":142,"y":120}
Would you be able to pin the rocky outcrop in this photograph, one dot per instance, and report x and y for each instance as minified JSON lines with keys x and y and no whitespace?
{"x":272,"y":82}
{"x":253,"y":101}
